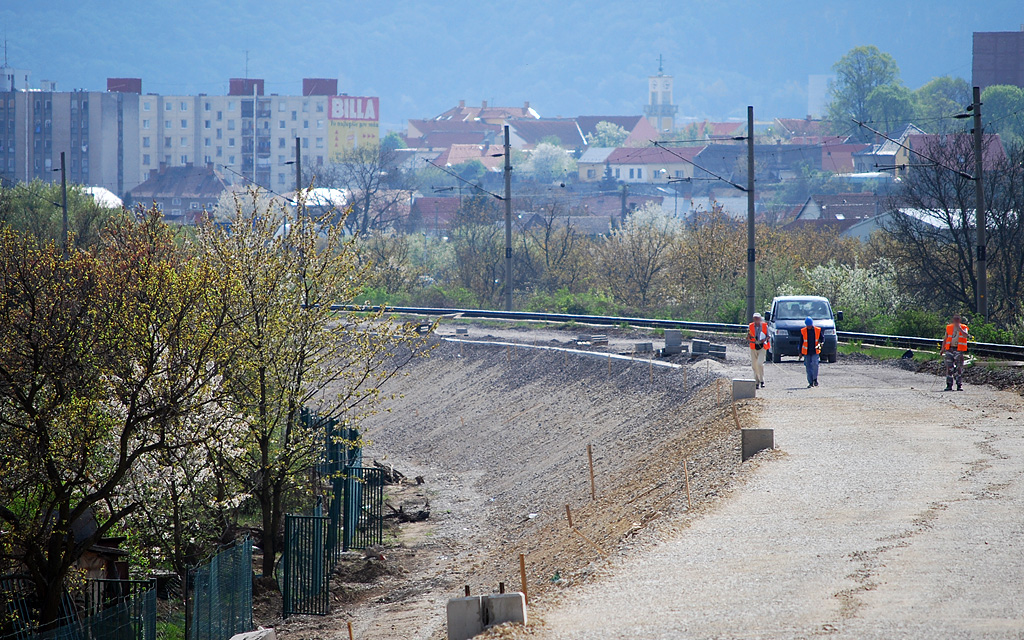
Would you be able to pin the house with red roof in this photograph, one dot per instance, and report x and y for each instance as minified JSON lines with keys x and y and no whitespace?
{"x":491,"y":156}
{"x":641,"y":164}
{"x":527,"y":133}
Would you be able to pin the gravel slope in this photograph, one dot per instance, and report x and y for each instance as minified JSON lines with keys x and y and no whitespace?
{"x":895,"y":511}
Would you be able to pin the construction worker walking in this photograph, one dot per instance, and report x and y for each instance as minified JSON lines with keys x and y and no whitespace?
{"x":810,"y":348}
{"x":757,"y":332}
{"x":954,"y":347}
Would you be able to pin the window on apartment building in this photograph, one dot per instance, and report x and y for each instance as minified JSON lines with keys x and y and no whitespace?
{"x":319,"y":124}
{"x":220,"y":134}
{"x":305,"y":143}
{"x":145,"y":106}
{"x":280,"y":178}
{"x":591,"y":173}
{"x":167,"y":159}
{"x":319,"y":107}
{"x":305,"y":106}
{"x":206,"y":142}
{"x":280,"y":159}
{"x":207,"y":159}
{"x":168,"y":106}
{"x":184,"y":124}
{"x":640,"y":174}
{"x":167,"y":141}
{"x":231,"y":159}
{"x":631,"y":173}
{"x":220,"y":152}
{"x":145,"y":124}
{"x":206,"y":106}
{"x":145,"y":142}
{"x":184,"y":106}
{"x":167,"y":124}
{"x":280,"y":143}
{"x":231,"y":105}
{"x":145,"y":158}
{"x":319,"y":161}
{"x":281,"y":106}
{"x":280,"y":124}
{"x":184,"y":141}
{"x":206,"y":124}
{"x":679,"y":174}
{"x":305,"y":124}
{"x":175,"y":200}
{"x":231,"y":142}
{"x":319,"y":143}
{"x":231,"y":125}
{"x":220,"y":115}
{"x":295,"y":116}
{"x":184,"y":159}
{"x":616,"y":173}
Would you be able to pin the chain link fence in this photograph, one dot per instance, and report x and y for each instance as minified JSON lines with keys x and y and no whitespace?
{"x":222,"y":595}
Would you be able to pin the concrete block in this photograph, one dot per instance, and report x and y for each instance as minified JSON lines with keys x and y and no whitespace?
{"x":643,"y":347}
{"x":700,"y":346}
{"x":259,"y":634}
{"x":743,"y":389}
{"x":755,"y":440}
{"x":673,"y":337}
{"x":465,"y":617}
{"x":461,"y":331}
{"x":500,"y":608}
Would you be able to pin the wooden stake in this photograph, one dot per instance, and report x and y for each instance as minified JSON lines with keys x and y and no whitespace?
{"x":589,"y":541}
{"x":501,"y":587}
{"x":685,"y":369}
{"x":590,"y":459}
{"x":650,"y":366}
{"x":609,"y":364}
{"x":686,"y":478}
{"x":467,"y":590}
{"x":350,"y":636}
{"x":522,"y":576}
{"x":508,"y":353}
{"x":460,"y":348}
{"x":736,"y":416}
{"x":568,"y":515}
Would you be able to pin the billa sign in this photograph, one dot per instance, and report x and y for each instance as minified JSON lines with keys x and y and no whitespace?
{"x":353,"y":123}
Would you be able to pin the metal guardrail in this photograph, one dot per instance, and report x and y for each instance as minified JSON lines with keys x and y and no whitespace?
{"x":1007,"y":351}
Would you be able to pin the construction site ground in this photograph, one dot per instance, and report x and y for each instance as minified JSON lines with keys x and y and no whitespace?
{"x":889,"y":508}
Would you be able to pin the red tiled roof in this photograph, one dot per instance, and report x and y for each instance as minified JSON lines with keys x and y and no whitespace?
{"x":838,"y":158}
{"x":653,"y":155}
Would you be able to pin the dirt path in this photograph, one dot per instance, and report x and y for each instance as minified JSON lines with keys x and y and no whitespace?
{"x":894,"y":511}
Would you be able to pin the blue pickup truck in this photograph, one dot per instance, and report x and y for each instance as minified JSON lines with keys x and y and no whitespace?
{"x":786,"y":319}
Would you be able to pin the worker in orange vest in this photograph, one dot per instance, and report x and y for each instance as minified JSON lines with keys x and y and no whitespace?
{"x":810,"y":347}
{"x":954,"y":346}
{"x":757,"y":332}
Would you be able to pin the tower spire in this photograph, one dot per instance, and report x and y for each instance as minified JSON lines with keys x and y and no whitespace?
{"x":661,"y":68}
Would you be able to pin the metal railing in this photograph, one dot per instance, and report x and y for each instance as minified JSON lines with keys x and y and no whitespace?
{"x":222,"y":594}
{"x":1007,"y":351}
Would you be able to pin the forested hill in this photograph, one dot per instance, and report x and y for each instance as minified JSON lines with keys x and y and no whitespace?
{"x":566,"y":58}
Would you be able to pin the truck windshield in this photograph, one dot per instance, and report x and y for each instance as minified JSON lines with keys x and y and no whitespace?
{"x":800,"y":309}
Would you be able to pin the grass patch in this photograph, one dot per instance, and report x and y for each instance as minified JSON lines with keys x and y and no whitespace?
{"x":885,"y":353}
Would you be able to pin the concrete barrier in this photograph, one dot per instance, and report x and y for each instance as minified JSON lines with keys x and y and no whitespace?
{"x":743,"y":389}
{"x":755,"y":440}
{"x":700,"y":346}
{"x":259,"y":634}
{"x":473,"y":615}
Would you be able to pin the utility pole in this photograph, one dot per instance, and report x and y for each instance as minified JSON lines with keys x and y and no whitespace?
{"x":298,"y":166}
{"x":64,"y":206}
{"x":508,"y":222}
{"x":750,"y":212}
{"x":622,"y":209}
{"x":979,"y":186}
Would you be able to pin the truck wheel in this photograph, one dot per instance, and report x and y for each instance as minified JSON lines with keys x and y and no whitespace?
{"x":831,"y":358}
{"x":775,"y":356}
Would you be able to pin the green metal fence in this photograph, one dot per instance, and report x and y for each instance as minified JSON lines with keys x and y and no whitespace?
{"x":222,"y":595}
{"x":363,"y":497}
{"x":100,"y":610}
{"x":306,"y":580}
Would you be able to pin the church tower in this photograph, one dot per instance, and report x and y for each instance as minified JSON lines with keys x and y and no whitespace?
{"x":660,"y":110}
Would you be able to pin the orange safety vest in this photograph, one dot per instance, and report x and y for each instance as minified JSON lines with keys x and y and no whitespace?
{"x":754,"y":337}
{"x":955,"y":342}
{"x":807,"y":340}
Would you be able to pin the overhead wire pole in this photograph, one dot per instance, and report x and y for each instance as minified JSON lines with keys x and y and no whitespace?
{"x":64,"y":206}
{"x":979,"y":187}
{"x":750,"y":211}
{"x":508,"y":222}
{"x":298,"y":165}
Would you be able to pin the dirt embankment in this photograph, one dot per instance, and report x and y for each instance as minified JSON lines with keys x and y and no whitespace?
{"x":500,"y":436}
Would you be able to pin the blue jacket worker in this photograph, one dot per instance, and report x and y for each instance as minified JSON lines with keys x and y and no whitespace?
{"x":810,"y":347}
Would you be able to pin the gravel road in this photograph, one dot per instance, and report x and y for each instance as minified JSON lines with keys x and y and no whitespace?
{"x":894,"y":511}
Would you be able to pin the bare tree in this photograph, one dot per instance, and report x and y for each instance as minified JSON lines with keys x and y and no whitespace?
{"x":378,"y":190}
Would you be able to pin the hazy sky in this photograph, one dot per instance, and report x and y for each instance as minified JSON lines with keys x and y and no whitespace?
{"x":565,"y":58}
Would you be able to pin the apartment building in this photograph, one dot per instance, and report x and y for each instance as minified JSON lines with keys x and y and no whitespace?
{"x":115,"y":139}
{"x":97,"y":131}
